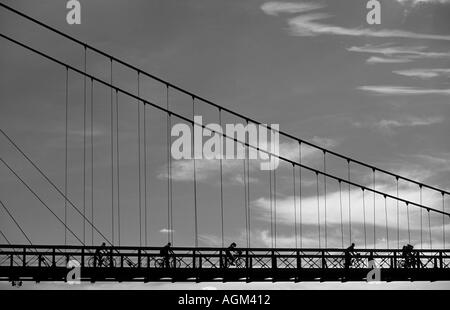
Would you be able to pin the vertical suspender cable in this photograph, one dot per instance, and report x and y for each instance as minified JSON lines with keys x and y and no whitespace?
{"x":421,"y":217}
{"x":349,"y":203}
{"x":374,"y":214}
{"x":325,"y":195}
{"x":145,"y":166}
{"x":221,"y":179}
{"x":245,"y":200}
{"x":195,"y":176}
{"x":364,"y":218}
{"x":84,"y":149}
{"x":429,"y":228}
{"x":271,"y":203}
{"x":139,"y":166}
{"x":443,"y":220}
{"x":300,"y":193}
{"x":248,"y":191}
{"x":66,"y":160}
{"x":398,"y":218}
{"x":112,"y":154}
{"x":386,"y":220}
{"x":169,"y":172}
{"x":117,"y":166}
{"x":318,"y":207}
{"x":295,"y":206}
{"x":92,"y":161}
{"x":407,"y":216}
{"x":340,"y":207}
{"x":275,"y":203}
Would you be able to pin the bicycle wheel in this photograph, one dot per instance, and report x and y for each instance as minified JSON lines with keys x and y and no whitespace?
{"x":158,"y":263}
{"x":239,"y":263}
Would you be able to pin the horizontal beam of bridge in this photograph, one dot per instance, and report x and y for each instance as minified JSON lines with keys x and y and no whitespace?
{"x":145,"y":264}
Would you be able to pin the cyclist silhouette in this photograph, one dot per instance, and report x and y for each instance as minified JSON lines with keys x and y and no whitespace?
{"x":229,"y":256}
{"x":100,"y":253}
{"x":166,"y":252}
{"x":349,"y":253}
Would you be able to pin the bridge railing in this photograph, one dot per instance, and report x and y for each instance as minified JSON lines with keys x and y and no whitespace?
{"x":207,"y":258}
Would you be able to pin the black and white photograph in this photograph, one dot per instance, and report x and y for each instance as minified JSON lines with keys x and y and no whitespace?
{"x":221,"y":151}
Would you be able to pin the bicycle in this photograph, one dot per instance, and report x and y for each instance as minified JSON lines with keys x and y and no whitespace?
{"x":174,"y":262}
{"x":237,"y":262}
{"x":101,"y":262}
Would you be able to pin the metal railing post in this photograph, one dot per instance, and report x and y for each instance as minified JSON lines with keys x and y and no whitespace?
{"x":24,"y":258}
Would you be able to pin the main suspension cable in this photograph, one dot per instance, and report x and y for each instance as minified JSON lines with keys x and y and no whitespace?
{"x":119,"y":61}
{"x":15,"y":222}
{"x":60,"y":192}
{"x":190,"y":121}
{"x":42,"y":202}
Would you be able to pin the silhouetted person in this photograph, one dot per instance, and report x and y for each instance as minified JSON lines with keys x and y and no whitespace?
{"x":407,"y":255}
{"x":349,"y":252}
{"x":100,"y":253}
{"x":166,"y":252}
{"x":229,"y":254}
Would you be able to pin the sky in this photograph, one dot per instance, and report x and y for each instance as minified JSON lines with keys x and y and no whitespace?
{"x":376,"y":93}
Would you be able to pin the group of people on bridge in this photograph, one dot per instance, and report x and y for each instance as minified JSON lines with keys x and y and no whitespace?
{"x":232,"y":254}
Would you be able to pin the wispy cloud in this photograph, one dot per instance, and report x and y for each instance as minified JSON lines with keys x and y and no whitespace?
{"x":275,"y":8}
{"x":397,"y":54}
{"x":311,"y":24}
{"x":402,"y":90}
{"x":415,"y":2}
{"x":424,"y":73}
{"x":388,"y":125}
{"x":165,"y":230}
{"x":384,"y":60}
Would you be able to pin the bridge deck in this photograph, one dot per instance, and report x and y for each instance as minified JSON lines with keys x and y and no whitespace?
{"x":144,"y":264}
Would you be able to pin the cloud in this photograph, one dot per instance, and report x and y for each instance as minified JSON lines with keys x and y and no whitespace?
{"x":310,"y":25}
{"x":165,"y":230}
{"x":416,"y":2}
{"x":424,"y":73}
{"x":183,"y":170}
{"x":275,"y":8}
{"x":384,"y":60}
{"x":388,"y":125}
{"x":286,"y":213}
{"x":403,"y":90}
{"x":397,"y":54}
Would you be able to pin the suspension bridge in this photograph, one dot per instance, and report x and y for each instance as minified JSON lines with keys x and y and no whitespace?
{"x":314,"y":205}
